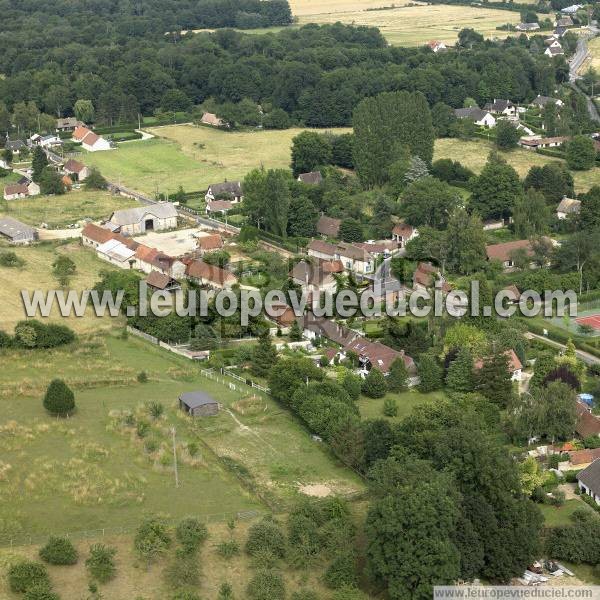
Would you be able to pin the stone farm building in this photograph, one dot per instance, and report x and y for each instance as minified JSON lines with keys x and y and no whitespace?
{"x":79,"y":170}
{"x":198,"y":404}
{"x":16,"y":232}
{"x":155,"y":217}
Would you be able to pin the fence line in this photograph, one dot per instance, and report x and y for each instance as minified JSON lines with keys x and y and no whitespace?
{"x":26,"y":539}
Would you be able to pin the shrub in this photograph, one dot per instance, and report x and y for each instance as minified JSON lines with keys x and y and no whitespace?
{"x":348,"y":592}
{"x":10,"y":259}
{"x":390,"y":407}
{"x":59,"y":399}
{"x":266,"y":535}
{"x":151,"y":445}
{"x":183,"y":570}
{"x":27,"y":574}
{"x":142,"y":377}
{"x":190,"y":533}
{"x":266,"y":585}
{"x":40,"y":592}
{"x":193,"y":449}
{"x":225,"y":592}
{"x":374,"y":385}
{"x":156,"y":410}
{"x":142,"y":429}
{"x":59,"y":551}
{"x":185,"y":596}
{"x":342,"y":571}
{"x":228,"y":549}
{"x":152,"y":539}
{"x":101,"y":563}
{"x":304,"y":595}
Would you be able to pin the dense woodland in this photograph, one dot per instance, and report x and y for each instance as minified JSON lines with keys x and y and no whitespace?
{"x":316,"y":74}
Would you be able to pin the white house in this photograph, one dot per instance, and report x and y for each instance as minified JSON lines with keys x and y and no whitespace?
{"x":90,"y":141}
{"x":501,"y":107}
{"x":437,"y":46}
{"x":353,"y":258}
{"x":73,"y":167}
{"x":589,"y":481}
{"x":554,"y":51}
{"x":14,"y":191}
{"x":402,"y":233}
{"x":155,"y":217}
{"x":230,"y":191}
{"x":480,"y":117}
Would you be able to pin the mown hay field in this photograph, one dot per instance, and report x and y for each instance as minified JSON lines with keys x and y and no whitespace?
{"x":406,"y":25}
{"x":474,"y":154}
{"x":36,"y":274}
{"x":61,"y":211}
{"x":193,"y":157}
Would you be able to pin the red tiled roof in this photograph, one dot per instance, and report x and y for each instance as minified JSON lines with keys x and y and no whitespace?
{"x":502,"y":252}
{"x":328,"y":226}
{"x":584,"y":457}
{"x":15,"y":188}
{"x":97,"y":234}
{"x":587,"y":423}
{"x":74,"y":166}
{"x":90,"y":139}
{"x":198,"y":269}
{"x":514,"y":364}
{"x":80,"y":133}
{"x":210,"y":242}
{"x":322,"y":247}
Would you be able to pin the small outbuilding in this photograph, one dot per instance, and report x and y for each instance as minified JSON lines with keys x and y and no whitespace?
{"x":198,"y":404}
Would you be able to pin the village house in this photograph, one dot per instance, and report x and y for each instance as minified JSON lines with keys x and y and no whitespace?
{"x":480,"y":117}
{"x":312,"y":178}
{"x":328,"y":226}
{"x":228,"y":190}
{"x":117,"y":253}
{"x":154,"y":217}
{"x":353,"y":258}
{"x":161,"y":282}
{"x":519,"y":126}
{"x":579,"y":459}
{"x":588,"y":481}
{"x":16,"y":232}
{"x":533,"y":143}
{"x":567,"y":207}
{"x":90,"y":141}
{"x":554,"y":50}
{"x":425,"y":277}
{"x":564,"y":22}
{"x":218,"y":206}
{"x":571,"y":10}
{"x":437,"y":46}
{"x":560,"y":31}
{"x":15,"y":146}
{"x":45,"y":141}
{"x":68,"y":124}
{"x":528,"y":27}
{"x":515,"y":367}
{"x":15,"y":191}
{"x":383,"y":248}
{"x":93,"y":235}
{"x":209,"y":275}
{"x":317,"y":277}
{"x":76,"y":169}
{"x":541,"y":101}
{"x":209,"y":243}
{"x":402,"y":233}
{"x":552,"y":42}
{"x":321,"y":249}
{"x":501,"y":107}
{"x":507,"y":251}
{"x":212,"y":120}
{"x":587,"y":424}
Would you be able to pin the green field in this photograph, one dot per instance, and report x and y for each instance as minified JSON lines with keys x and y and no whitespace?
{"x":557,"y":516}
{"x":61,"y":211}
{"x":474,"y":154}
{"x":406,"y":25}
{"x":193,"y":157}
{"x":94,"y":470}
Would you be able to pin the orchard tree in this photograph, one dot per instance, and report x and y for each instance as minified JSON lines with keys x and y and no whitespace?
{"x":95,"y":180}
{"x":51,"y":182}
{"x":310,"y":150}
{"x":507,"y":135}
{"x":63,"y":268}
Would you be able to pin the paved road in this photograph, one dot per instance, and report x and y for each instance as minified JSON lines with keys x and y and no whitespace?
{"x":586,"y":357}
{"x":576,"y":62}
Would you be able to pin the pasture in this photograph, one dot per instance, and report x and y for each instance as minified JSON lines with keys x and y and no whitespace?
{"x":112,"y":460}
{"x":61,"y":211}
{"x":372,"y":408}
{"x":474,"y":153}
{"x":193,"y":157}
{"x":405,"y":25}
{"x":36,"y":274}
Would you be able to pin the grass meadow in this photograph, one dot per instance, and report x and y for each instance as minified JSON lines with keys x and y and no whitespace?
{"x":405,"y":25}
{"x":36,"y":273}
{"x":371,"y":408}
{"x":193,"y":157}
{"x":474,"y":153}
{"x":112,"y":461}
{"x":61,"y":211}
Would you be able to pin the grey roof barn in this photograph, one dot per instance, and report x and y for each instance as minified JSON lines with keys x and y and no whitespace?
{"x":17,"y":232}
{"x":198,"y":404}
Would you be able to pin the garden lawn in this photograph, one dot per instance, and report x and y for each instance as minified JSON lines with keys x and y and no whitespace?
{"x":36,"y":274}
{"x":406,"y":25}
{"x":193,"y":157}
{"x":474,"y":153}
{"x":557,"y":516}
{"x":371,"y":408}
{"x":61,"y":211}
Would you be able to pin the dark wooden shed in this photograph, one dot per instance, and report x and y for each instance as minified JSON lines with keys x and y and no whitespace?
{"x":198,"y":404}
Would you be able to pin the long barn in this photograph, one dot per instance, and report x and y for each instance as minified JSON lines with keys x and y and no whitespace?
{"x":16,"y":232}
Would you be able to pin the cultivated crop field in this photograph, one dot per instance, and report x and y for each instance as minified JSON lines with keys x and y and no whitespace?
{"x":474,"y":153}
{"x":406,"y":25}
{"x":62,"y":211}
{"x":112,"y":460}
{"x":36,"y":273}
{"x":193,"y":157}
